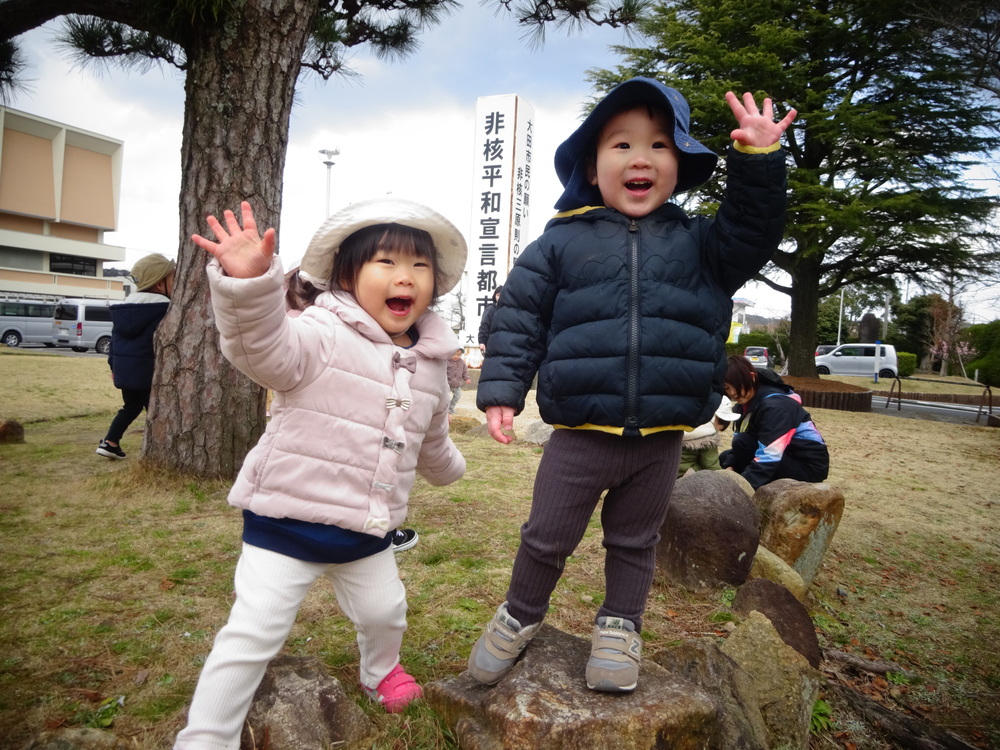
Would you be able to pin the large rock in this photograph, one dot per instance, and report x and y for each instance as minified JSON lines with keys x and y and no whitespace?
{"x":785,"y":685}
{"x":298,"y":706}
{"x":11,"y":432}
{"x":798,"y":521}
{"x":769,"y":566}
{"x":711,"y":531}
{"x":785,"y":612}
{"x":739,"y":722}
{"x":544,"y":704}
{"x":538,"y":433}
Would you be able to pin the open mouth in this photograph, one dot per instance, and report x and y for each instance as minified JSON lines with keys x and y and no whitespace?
{"x":638,"y":185}
{"x":399,"y":305}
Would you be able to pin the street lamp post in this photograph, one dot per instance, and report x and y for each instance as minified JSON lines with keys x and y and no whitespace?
{"x":329,"y":153}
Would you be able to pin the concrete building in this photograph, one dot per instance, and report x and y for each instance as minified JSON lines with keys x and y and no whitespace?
{"x":59,"y":193}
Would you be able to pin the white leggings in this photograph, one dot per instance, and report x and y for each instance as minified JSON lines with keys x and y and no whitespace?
{"x":270,"y":588}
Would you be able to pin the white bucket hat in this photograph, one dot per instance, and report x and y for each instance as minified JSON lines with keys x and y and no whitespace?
{"x":317,"y":263}
{"x":725,"y":410}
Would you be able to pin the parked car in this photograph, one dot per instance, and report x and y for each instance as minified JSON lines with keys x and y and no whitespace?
{"x":825,"y":349}
{"x":758,"y":356}
{"x":83,"y":324}
{"x":26,"y":321}
{"x":859,"y":360}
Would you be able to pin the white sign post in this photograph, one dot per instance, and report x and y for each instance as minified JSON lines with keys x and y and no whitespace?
{"x":501,"y":186}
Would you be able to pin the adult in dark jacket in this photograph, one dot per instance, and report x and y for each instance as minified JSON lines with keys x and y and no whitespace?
{"x":487,"y":319}
{"x":775,"y":438}
{"x":621,"y":308}
{"x":132,"y":356}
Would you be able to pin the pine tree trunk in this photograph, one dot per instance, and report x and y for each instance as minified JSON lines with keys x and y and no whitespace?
{"x":804,"y":316}
{"x":204,"y":415}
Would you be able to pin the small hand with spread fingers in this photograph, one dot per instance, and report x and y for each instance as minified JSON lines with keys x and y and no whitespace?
{"x":757,"y":128}
{"x":242,"y":253}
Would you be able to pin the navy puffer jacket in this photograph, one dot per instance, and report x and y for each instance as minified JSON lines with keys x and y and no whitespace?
{"x":132,"y":355}
{"x":624,"y":320}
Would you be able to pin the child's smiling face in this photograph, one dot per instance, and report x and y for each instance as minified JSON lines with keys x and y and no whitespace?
{"x":637,"y":162}
{"x":395,"y":288}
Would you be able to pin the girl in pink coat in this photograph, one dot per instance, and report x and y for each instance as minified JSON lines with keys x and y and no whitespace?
{"x":361,"y":405}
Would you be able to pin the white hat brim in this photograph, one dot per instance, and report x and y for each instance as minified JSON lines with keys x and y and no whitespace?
{"x":725,"y":410}
{"x":452,"y":251}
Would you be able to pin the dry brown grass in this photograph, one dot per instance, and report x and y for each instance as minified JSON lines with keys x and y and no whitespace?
{"x":116,"y":578}
{"x":42,"y":384}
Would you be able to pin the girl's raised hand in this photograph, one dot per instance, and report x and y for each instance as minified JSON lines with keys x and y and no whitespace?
{"x":242,"y":253}
{"x":756,"y":128}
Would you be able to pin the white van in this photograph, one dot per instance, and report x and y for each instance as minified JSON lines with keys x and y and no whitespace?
{"x":859,"y":360}
{"x":83,"y":324}
{"x":26,"y":321}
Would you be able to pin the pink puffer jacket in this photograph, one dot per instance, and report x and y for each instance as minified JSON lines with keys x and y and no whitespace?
{"x":353,"y":417}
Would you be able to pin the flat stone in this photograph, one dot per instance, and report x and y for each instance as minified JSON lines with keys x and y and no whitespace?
{"x":544,"y":704}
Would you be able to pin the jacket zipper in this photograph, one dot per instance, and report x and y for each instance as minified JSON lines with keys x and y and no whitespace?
{"x":632,"y":356}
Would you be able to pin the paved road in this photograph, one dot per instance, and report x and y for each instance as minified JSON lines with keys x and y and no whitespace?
{"x":930,"y":410}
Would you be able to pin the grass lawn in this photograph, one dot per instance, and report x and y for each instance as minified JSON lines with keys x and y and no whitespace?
{"x":116,"y":577}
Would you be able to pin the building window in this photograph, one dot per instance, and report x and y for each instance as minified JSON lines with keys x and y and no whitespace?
{"x":72,"y":264}
{"x":14,"y":257}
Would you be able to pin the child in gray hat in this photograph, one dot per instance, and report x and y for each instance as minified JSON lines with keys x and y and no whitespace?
{"x":621,"y":308}
{"x":132,"y":357}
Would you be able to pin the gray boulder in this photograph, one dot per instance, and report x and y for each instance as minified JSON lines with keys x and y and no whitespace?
{"x":798,"y":521}
{"x":740,"y":724}
{"x":298,"y":706}
{"x":769,"y":566}
{"x":711,"y":531}
{"x":785,"y":612}
{"x":785,"y":685}
{"x":538,"y":433}
{"x":544,"y":703}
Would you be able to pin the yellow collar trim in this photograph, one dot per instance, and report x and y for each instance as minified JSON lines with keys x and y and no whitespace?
{"x":620,"y":430}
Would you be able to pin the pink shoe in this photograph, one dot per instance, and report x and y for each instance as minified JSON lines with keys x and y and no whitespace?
{"x":396,"y":691}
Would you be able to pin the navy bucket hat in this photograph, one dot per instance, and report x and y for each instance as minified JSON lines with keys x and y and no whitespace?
{"x":696,"y":162}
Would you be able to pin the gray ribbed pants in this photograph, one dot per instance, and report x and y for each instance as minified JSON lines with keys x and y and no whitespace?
{"x":577,"y":466}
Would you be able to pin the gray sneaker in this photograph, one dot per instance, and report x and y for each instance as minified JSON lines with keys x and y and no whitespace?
{"x":614,"y":656}
{"x":497,"y":649}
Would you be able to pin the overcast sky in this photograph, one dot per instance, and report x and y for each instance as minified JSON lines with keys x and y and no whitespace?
{"x":404,"y":128}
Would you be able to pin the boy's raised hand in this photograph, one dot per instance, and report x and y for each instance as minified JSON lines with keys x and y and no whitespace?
{"x":756,"y":128}
{"x":242,"y":253}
